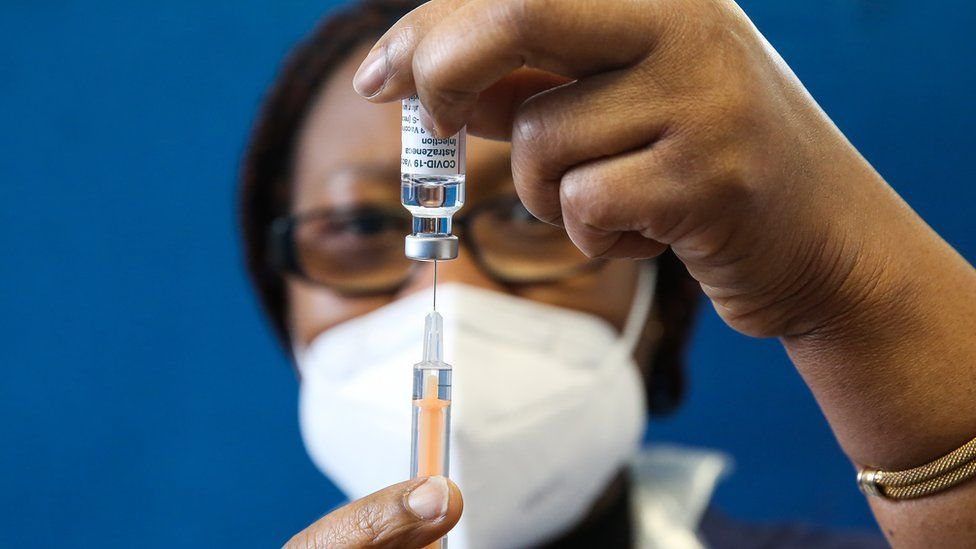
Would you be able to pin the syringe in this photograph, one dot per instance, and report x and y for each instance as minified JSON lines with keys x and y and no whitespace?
{"x":432,"y":190}
{"x":431,"y":424}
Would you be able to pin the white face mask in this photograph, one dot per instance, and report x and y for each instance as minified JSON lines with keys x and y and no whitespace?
{"x":548,"y":406}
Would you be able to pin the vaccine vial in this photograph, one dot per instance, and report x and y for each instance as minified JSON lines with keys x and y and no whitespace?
{"x":431,"y":185}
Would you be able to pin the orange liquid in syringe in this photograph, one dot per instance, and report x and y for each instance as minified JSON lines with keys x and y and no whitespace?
{"x":431,"y":430}
{"x":431,"y":433}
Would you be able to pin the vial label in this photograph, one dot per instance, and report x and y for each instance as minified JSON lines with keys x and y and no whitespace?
{"x":421,"y":152}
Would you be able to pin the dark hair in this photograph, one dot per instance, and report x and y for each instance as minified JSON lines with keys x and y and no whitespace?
{"x":265,"y":189}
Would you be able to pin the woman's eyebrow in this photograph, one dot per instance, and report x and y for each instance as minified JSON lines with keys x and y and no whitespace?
{"x":353,"y":183}
{"x":357,"y":179}
{"x":487,"y":178}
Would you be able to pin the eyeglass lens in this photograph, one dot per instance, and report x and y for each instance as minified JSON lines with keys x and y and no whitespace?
{"x":362,"y":250}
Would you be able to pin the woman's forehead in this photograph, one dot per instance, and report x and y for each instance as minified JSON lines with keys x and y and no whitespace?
{"x":345,"y":138}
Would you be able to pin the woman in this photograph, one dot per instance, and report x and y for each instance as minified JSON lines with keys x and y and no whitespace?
{"x":667,"y":130}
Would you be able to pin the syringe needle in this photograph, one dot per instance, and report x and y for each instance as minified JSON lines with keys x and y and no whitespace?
{"x":435,"y":284}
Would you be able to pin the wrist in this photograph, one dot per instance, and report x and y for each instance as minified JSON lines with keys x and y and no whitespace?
{"x":855,"y":278}
{"x":858,"y":296}
{"x":888,"y":358}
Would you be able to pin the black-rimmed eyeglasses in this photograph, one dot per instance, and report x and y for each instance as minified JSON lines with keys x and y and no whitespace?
{"x":359,"y":251}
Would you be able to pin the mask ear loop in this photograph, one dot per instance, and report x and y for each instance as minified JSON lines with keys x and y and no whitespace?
{"x":640,"y":308}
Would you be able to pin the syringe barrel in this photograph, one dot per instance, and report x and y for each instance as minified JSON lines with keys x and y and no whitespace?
{"x":431,"y":421}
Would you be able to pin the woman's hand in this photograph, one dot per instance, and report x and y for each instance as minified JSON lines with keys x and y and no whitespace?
{"x":643,"y":124}
{"x":414,"y":513}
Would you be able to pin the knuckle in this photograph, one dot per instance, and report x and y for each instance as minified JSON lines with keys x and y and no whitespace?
{"x":542,"y":138}
{"x":736,"y":109}
{"x":370,"y":522}
{"x":445,"y":101}
{"x":365,"y":523}
{"x":399,"y":46}
{"x":424,"y":65}
{"x":532,"y":125}
{"x":578,"y":194}
{"x":735,"y":190}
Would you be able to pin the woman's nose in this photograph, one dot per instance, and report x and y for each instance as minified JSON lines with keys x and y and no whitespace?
{"x":464,"y":270}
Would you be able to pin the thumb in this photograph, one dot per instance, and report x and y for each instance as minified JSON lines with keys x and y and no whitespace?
{"x":414,"y":513}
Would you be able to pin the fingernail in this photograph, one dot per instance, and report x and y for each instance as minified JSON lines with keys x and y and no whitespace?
{"x":429,"y":500}
{"x":371,"y":75}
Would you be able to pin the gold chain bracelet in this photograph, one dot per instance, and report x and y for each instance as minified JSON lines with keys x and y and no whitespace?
{"x":941,"y":474}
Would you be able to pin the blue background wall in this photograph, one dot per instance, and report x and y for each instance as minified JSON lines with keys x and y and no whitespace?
{"x":143,"y":402}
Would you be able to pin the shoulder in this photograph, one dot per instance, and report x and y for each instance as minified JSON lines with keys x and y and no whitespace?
{"x":720,"y":532}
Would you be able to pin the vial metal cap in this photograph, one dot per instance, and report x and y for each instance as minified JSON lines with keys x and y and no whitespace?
{"x":422,"y":247}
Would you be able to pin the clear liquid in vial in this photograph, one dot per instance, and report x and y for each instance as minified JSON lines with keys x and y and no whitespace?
{"x":432,"y":195}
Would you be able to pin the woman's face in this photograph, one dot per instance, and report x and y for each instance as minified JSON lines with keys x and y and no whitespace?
{"x":348,"y":155}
